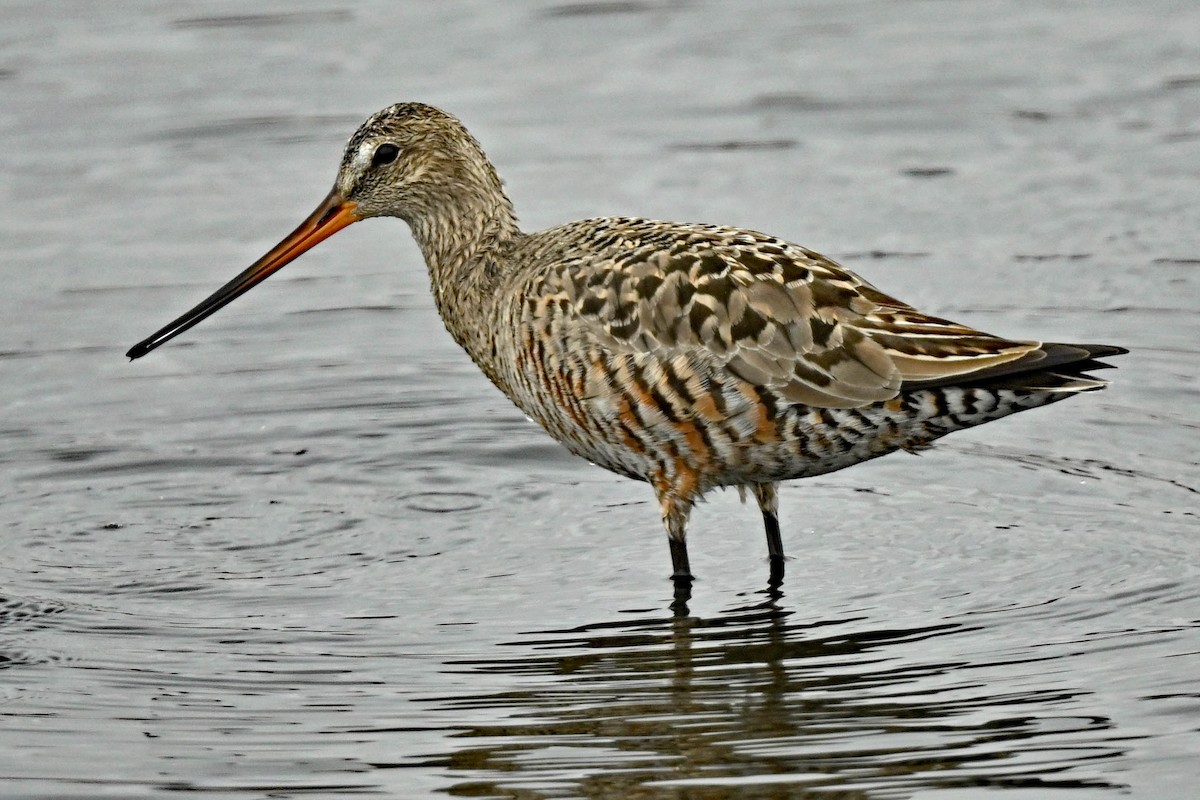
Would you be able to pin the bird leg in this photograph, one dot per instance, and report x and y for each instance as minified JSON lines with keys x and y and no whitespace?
{"x":767,"y":496}
{"x":681,"y":570}
{"x":675,"y":511}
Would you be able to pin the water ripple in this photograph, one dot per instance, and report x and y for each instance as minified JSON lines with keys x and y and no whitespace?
{"x":755,"y":699}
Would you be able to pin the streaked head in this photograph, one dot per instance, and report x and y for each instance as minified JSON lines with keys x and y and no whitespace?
{"x":410,"y":160}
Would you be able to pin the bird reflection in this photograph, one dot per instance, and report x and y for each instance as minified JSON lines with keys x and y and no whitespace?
{"x":756,"y":699}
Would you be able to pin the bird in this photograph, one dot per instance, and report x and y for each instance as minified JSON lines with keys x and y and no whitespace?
{"x":687,"y":356}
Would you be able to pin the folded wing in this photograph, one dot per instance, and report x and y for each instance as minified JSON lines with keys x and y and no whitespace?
{"x":776,"y":315}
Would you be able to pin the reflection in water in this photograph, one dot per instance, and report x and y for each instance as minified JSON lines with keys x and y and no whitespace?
{"x":774,"y":707}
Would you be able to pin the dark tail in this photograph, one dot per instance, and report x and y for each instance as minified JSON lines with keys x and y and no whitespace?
{"x":1052,"y":368}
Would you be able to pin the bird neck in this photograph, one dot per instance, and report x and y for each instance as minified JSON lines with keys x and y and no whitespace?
{"x":465,"y":245}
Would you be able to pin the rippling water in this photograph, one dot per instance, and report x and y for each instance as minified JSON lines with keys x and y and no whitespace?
{"x":307,"y":550}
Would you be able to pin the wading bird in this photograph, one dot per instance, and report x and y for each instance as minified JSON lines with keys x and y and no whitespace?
{"x":686,"y":356}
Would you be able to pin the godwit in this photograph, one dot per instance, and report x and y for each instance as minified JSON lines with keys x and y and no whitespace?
{"x":686,"y":356}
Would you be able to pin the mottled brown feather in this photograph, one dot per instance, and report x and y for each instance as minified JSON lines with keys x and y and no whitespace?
{"x":776,"y":315}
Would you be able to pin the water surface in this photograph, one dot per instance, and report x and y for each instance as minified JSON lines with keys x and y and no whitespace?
{"x":307,"y":550}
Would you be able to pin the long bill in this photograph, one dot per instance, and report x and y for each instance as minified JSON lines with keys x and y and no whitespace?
{"x":331,"y":216}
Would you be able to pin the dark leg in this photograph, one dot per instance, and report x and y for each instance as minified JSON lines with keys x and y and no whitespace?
{"x":774,"y":540}
{"x":675,"y":512}
{"x":768,"y":502}
{"x":774,"y":548}
{"x":682,"y":571}
{"x":682,"y":576}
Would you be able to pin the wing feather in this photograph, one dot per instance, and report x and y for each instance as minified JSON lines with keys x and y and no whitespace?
{"x":780,"y":317}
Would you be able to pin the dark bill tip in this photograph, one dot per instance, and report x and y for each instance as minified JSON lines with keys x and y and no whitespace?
{"x":331,"y":216}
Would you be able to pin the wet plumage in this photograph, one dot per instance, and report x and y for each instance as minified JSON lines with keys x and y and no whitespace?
{"x":687,"y":356}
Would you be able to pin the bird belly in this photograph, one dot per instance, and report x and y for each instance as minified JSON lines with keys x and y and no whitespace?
{"x":669,"y":423}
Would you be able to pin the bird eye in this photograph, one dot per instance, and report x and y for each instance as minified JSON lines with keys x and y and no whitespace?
{"x":384,"y":154}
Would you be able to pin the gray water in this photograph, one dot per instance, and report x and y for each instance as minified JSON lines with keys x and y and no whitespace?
{"x":306,"y":550}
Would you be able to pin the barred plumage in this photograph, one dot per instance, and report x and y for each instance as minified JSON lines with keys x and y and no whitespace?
{"x":687,"y":356}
